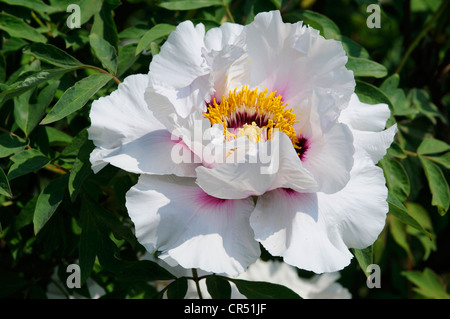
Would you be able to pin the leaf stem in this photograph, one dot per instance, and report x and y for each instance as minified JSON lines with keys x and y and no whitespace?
{"x":228,"y":12}
{"x":422,"y":33}
{"x":92,"y":67}
{"x":197,"y":284}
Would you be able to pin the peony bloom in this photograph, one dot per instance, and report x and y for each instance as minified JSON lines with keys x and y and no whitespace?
{"x":264,"y":112}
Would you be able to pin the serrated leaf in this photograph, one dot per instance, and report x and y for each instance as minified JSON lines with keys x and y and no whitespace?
{"x":53,"y":55}
{"x":5,"y":189}
{"x":438,"y":185}
{"x":76,"y":97}
{"x":218,"y":287}
{"x":189,"y":5}
{"x":158,"y":31}
{"x":263,"y":290}
{"x":365,"y":67}
{"x":399,"y":210}
{"x":397,"y":96}
{"x":432,"y":145}
{"x":27,"y":161}
{"x":16,"y":28}
{"x":177,"y":289}
{"x":428,"y":283}
{"x":105,"y":52}
{"x":48,"y":201}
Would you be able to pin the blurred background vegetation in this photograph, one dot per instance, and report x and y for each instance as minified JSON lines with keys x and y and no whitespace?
{"x":54,"y":211}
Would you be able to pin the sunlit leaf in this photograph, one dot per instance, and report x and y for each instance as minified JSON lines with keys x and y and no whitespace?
{"x":76,"y":96}
{"x":438,"y":185}
{"x":189,"y":5}
{"x":158,"y":31}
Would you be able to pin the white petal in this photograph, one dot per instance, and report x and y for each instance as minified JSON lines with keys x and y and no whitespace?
{"x":359,"y":210}
{"x":296,"y":61}
{"x":275,"y":164}
{"x":180,"y":72}
{"x":329,"y":156}
{"x":314,"y":231}
{"x":375,"y":144}
{"x":174,"y":216}
{"x":127,"y":134}
{"x":218,"y":38}
{"x":290,"y":225}
{"x":365,"y":117}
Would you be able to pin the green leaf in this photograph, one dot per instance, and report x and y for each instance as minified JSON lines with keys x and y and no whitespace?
{"x":48,"y":201}
{"x":10,"y":144}
{"x":158,"y":31}
{"x":370,"y":94}
{"x":28,"y":115}
{"x":31,"y":80}
{"x":189,"y":5}
{"x":53,"y":55}
{"x":397,"y":96}
{"x":36,"y":5}
{"x":177,"y":289}
{"x":218,"y":287}
{"x":89,"y":240}
{"x":443,"y":160}
{"x":397,"y":209}
{"x":76,"y":96}
{"x":398,"y":231}
{"x":126,"y":58}
{"x":105,"y":52}
{"x":325,"y":25}
{"x":16,"y":28}
{"x":263,"y":290}
{"x":5,"y":189}
{"x":81,"y":169}
{"x":364,"y":257}
{"x":396,"y":178}
{"x":421,"y":215}
{"x":27,"y":161}
{"x":432,"y":146}
{"x":438,"y":185}
{"x":104,"y":25}
{"x":366,"y":67}
{"x":428,"y":283}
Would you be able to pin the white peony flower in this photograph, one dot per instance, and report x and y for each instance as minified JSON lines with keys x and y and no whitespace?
{"x":264,"y":110}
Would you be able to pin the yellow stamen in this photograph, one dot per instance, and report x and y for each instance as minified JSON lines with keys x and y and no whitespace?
{"x":268,"y":108}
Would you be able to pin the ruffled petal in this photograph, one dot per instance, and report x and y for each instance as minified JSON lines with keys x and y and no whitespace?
{"x":176,"y":218}
{"x":314,"y":231}
{"x":274,"y":164}
{"x":367,"y":123}
{"x":179,"y":72}
{"x":127,"y":135}
{"x":296,"y":61}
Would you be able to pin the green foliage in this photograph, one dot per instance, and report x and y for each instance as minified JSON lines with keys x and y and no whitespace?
{"x":54,"y":211}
